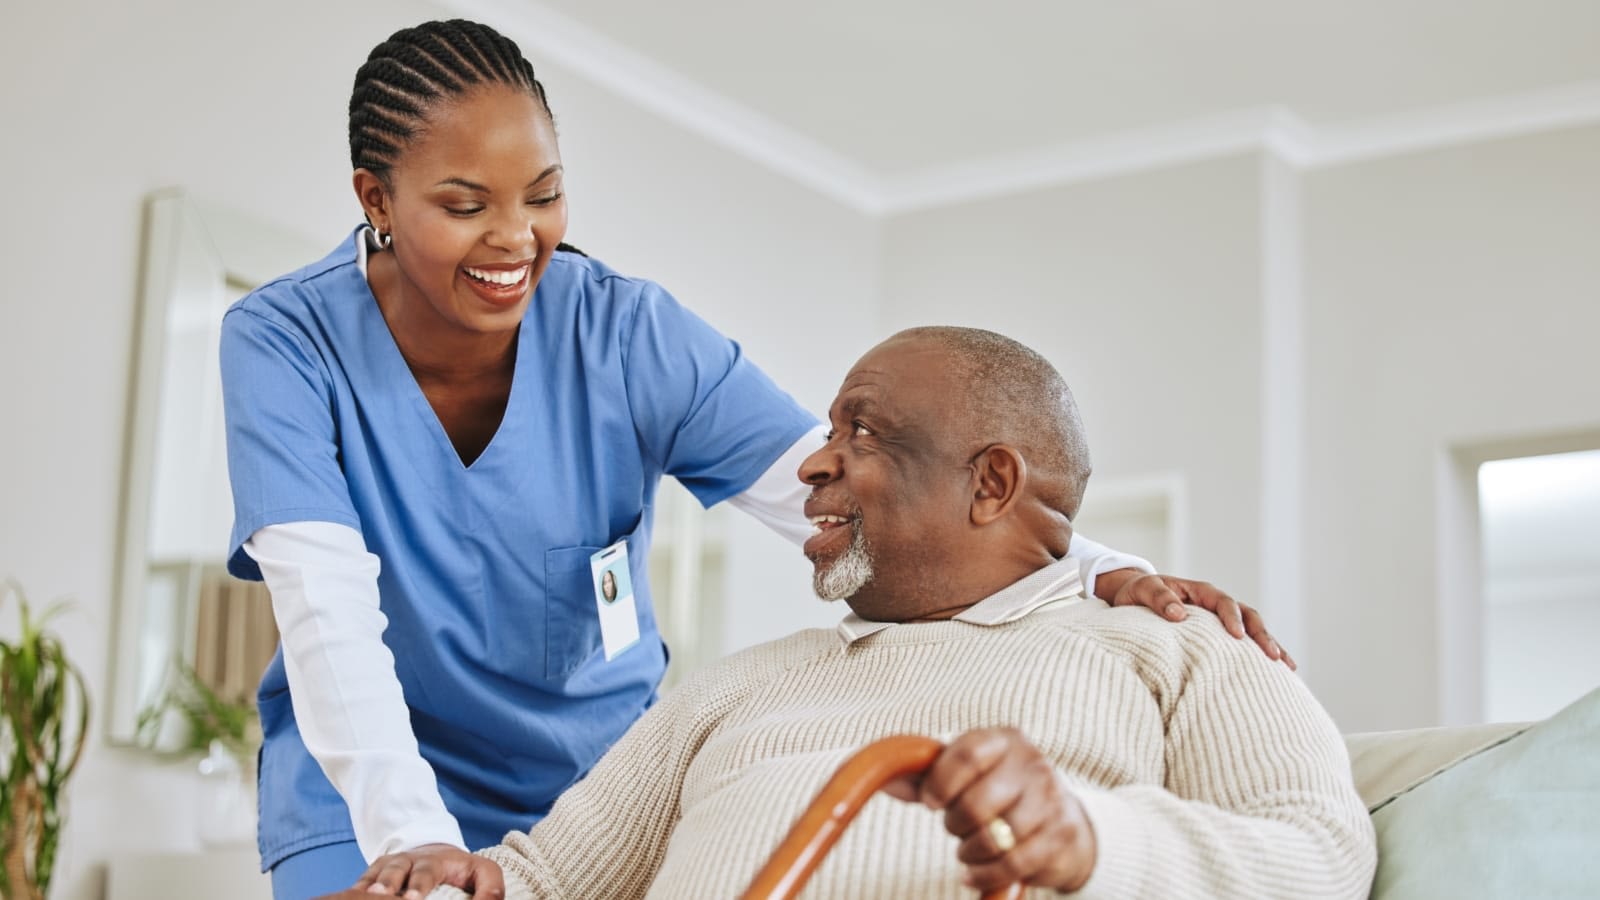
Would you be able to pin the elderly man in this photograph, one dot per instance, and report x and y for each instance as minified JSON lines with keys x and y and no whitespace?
{"x":1093,"y":749}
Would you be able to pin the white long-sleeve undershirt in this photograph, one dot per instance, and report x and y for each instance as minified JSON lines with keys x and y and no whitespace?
{"x":347,"y":699}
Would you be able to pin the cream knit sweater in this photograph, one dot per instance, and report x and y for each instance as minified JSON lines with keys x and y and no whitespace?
{"x":1206,"y":769}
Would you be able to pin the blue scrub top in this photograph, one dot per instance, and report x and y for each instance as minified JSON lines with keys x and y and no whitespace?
{"x":485,"y":574}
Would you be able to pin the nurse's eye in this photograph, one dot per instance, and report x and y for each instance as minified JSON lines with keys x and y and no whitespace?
{"x":545,"y":201}
{"x":463,"y":210}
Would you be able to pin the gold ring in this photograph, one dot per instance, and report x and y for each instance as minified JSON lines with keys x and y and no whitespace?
{"x":1000,"y":832}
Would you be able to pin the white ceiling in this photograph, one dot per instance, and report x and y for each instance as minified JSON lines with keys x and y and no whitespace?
{"x":895,"y":85}
{"x":893,"y":105}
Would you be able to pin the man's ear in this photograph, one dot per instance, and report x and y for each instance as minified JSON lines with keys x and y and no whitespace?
{"x":1000,"y":474}
{"x":374,"y":198}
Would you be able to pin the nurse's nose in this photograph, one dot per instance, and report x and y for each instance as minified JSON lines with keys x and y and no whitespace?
{"x":512,"y":232}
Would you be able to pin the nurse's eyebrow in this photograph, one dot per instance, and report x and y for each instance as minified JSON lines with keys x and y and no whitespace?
{"x":474,"y":186}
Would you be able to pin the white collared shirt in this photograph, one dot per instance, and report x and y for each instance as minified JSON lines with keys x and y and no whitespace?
{"x":1058,"y":584}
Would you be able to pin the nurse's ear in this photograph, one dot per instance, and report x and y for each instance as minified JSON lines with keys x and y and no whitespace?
{"x":373,"y":195}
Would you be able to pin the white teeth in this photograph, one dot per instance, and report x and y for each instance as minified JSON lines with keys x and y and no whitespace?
{"x":505,"y":278}
{"x":819,"y":521}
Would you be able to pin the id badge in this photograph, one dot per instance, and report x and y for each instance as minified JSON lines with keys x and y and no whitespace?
{"x":613,"y":599}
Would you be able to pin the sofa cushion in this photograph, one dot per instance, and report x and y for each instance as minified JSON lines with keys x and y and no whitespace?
{"x":1518,"y":817}
{"x":1389,"y":763}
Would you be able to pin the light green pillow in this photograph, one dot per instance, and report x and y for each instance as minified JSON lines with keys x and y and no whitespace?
{"x":1521,"y":819}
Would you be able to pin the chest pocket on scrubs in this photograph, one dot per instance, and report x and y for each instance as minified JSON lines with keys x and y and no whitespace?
{"x":571,"y":622}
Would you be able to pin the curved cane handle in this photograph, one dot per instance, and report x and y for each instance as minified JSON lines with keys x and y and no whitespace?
{"x":849,"y":789}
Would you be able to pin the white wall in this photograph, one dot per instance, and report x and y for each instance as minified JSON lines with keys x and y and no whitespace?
{"x":244,"y":105}
{"x":1454,"y":299}
{"x":1145,"y":293}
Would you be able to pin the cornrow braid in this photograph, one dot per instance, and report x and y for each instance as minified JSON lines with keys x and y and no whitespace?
{"x":417,"y":67}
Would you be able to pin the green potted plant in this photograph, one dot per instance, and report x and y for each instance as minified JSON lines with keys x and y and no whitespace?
{"x":44,"y":719}
{"x":190,"y":719}
{"x":203,"y":718}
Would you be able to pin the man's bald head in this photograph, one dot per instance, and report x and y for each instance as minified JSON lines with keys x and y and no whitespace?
{"x":1009,"y":394}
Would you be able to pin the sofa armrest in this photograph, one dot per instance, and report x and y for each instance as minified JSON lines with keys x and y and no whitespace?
{"x":1386,"y":764}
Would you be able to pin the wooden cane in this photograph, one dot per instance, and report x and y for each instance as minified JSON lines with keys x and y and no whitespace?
{"x":819,"y":827}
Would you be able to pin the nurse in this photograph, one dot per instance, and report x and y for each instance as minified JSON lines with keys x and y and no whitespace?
{"x":433,"y":435}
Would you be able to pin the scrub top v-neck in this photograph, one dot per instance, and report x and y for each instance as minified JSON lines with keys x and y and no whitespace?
{"x":485,"y":575}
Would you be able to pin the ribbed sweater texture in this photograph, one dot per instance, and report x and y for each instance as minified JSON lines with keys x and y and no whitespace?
{"x":1206,"y":769}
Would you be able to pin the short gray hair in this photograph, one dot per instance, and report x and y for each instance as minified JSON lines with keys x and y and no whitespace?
{"x":1015,"y":396}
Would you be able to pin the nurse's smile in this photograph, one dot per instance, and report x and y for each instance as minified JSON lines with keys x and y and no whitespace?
{"x":504,"y":284}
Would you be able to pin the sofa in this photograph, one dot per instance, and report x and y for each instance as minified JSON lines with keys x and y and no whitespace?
{"x":1486,"y":811}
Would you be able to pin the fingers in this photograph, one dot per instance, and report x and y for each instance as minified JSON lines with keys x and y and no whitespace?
{"x":1231,"y":612}
{"x":966,"y":759}
{"x":1208,"y":596}
{"x":1167,"y":602}
{"x":386,"y":875}
{"x":487,"y":881}
{"x":1156,"y":593}
{"x":994,"y":775}
{"x":1030,"y":812}
{"x":1257,"y":628}
{"x":1166,"y":594}
{"x":1107,"y":585}
{"x":424,"y":877}
{"x":906,"y":787}
{"x":1003,"y":792}
{"x":1059,"y":855}
{"x":415,"y":873}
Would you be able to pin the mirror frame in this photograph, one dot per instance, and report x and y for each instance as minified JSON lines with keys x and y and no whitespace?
{"x":235,"y":247}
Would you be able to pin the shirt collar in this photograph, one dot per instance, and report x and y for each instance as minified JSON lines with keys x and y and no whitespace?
{"x":1059,"y":582}
{"x":366,"y":245}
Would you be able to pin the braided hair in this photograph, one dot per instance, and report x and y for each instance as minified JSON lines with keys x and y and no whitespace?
{"x":418,"y":67}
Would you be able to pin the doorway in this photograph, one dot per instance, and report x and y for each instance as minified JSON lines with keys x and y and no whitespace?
{"x":1539,"y":521}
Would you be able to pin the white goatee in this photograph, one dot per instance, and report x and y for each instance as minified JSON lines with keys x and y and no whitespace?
{"x":849,"y":573}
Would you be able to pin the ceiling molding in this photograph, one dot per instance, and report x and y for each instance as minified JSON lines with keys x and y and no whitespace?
{"x":1275,"y":130}
{"x":552,"y":37}
{"x":1448,"y":125}
{"x":1103,"y":156}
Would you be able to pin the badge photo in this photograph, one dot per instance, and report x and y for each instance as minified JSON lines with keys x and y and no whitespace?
{"x":613,"y":599}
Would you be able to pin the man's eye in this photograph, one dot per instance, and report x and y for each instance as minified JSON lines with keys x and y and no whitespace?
{"x":828,"y":436}
{"x":860,"y":428}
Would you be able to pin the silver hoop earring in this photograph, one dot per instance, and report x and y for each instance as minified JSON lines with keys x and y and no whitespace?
{"x":384,"y":240}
